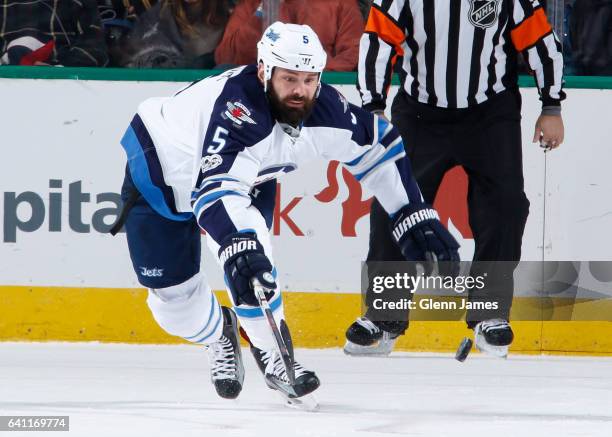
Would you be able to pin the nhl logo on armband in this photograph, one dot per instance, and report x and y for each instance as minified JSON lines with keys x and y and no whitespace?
{"x":238,"y":113}
{"x":210,"y":161}
{"x":483,"y":13}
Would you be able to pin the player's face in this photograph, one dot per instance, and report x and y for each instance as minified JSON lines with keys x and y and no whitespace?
{"x":292,"y":94}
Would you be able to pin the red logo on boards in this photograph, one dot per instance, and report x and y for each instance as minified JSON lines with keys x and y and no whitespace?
{"x":450,"y":202}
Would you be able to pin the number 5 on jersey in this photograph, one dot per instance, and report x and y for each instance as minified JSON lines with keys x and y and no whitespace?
{"x":218,"y":141}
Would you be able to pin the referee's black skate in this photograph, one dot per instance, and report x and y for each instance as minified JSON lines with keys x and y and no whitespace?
{"x":365,"y":337}
{"x":493,"y":336}
{"x":226,"y":368}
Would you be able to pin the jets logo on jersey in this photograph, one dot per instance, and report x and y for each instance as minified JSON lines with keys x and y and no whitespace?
{"x":151,"y":273}
{"x":483,"y":13}
{"x":238,"y":113}
{"x":210,"y":161}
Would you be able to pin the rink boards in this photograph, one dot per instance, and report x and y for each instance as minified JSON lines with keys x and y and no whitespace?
{"x":63,"y":278}
{"x":317,"y":320}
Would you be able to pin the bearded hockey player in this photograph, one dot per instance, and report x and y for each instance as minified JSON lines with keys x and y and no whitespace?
{"x":207,"y":159}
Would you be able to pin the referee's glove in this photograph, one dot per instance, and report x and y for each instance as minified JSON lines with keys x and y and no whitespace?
{"x":417,"y":230}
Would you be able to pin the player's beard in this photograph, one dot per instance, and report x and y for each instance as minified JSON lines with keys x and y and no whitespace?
{"x":289,"y":114}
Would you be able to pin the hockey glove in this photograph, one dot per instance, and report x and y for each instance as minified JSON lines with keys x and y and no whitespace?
{"x":243,"y":259}
{"x":417,"y":230}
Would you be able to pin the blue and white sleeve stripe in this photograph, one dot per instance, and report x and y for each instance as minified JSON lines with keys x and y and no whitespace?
{"x":387,"y":148}
{"x":215,"y":188}
{"x":393,"y":185}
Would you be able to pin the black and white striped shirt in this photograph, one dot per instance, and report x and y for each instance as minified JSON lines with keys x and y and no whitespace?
{"x":457,"y":53}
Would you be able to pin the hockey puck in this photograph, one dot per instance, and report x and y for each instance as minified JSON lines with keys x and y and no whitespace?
{"x":463,"y":350}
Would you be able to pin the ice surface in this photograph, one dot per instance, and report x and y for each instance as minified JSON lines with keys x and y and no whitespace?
{"x":126,"y":390}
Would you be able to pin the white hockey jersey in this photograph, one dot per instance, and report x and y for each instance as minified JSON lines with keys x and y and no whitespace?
{"x":201,"y":151}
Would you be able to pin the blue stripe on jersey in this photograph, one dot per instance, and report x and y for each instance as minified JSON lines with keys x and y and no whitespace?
{"x":382,"y":127}
{"x":358,"y":159}
{"x":146,"y":172}
{"x":387,"y":140}
{"x":209,"y":198}
{"x":286,"y":168}
{"x":206,"y":183}
{"x":209,"y":187}
{"x":251,"y":313}
{"x":392,"y":153}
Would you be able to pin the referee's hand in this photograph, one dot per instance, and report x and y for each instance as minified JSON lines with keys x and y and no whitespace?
{"x":549,"y":131}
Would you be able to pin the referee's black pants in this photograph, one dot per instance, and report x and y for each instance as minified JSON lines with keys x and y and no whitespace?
{"x":486,"y":141}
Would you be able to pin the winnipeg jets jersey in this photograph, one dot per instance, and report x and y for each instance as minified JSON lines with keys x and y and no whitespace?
{"x":201,"y":151}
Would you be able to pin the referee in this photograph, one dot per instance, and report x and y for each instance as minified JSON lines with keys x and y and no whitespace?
{"x":459,"y":104}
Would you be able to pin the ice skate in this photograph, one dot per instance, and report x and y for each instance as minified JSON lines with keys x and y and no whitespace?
{"x":297,"y":395}
{"x":366,"y":338}
{"x":226,"y":368}
{"x":493,"y":337}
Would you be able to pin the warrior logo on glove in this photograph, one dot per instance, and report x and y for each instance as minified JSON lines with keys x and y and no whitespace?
{"x":244,"y":259}
{"x":420,"y":236}
{"x":416,"y":217}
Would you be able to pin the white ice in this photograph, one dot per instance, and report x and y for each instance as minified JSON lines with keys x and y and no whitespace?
{"x":126,"y":390}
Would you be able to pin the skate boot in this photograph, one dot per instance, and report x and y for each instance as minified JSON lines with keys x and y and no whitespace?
{"x":226,"y":368}
{"x":297,"y":395}
{"x":271,"y":365}
{"x":365,"y":337}
{"x":493,"y":337}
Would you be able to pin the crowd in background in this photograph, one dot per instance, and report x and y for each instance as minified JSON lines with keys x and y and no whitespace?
{"x":218,"y":34}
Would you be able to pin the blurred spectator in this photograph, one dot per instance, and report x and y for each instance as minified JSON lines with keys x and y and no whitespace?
{"x":569,"y":68}
{"x":338,"y":23}
{"x":51,"y":32}
{"x":124,"y":9}
{"x":591,"y":37}
{"x":364,"y":7}
{"x":136,"y":8}
{"x":118,"y":19}
{"x":177,"y":34}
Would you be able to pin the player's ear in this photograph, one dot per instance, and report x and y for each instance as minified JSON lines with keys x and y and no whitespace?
{"x":260,"y":72}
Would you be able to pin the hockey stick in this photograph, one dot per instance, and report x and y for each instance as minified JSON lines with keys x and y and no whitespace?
{"x":281,"y":347}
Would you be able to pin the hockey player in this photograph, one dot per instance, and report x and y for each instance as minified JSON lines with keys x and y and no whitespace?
{"x":206,"y":158}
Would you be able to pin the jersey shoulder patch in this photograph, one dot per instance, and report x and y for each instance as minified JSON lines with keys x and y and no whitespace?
{"x":241,"y":109}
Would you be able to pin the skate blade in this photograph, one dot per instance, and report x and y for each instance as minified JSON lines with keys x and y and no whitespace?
{"x":496,"y":351}
{"x":380,"y":349}
{"x":305,"y":403}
